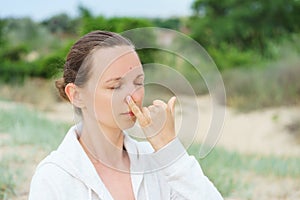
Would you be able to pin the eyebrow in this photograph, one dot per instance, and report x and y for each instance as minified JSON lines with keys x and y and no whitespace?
{"x":120,"y":78}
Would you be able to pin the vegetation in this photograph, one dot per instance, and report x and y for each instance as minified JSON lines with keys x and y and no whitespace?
{"x":244,"y":39}
{"x":30,"y":131}
{"x":29,"y":127}
{"x":248,"y":25}
{"x":276,"y":84}
{"x":225,"y":169}
{"x":7,"y":183}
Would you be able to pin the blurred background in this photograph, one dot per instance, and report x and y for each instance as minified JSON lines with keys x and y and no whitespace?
{"x":254,"y":43}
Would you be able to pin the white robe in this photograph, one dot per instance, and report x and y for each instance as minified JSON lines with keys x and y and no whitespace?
{"x":170,"y":173}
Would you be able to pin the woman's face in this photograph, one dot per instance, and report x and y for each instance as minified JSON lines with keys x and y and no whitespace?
{"x":116,"y":73}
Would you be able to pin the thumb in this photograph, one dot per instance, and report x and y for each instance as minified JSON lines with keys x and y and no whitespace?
{"x":171,"y":105}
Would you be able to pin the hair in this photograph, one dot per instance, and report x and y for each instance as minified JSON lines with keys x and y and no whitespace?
{"x":78,"y":62}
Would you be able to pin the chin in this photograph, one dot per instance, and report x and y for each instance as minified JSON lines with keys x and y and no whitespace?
{"x":126,"y":125}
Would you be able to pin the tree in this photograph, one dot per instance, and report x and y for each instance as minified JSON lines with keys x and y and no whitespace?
{"x":120,"y":24}
{"x":89,"y":23}
{"x":170,"y":23}
{"x":244,"y":23}
{"x":61,"y":23}
{"x":2,"y":26}
{"x":22,"y":31}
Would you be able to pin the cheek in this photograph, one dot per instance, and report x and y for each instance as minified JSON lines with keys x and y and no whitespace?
{"x":108,"y":105}
{"x":139,"y":96}
{"x":102,"y":105}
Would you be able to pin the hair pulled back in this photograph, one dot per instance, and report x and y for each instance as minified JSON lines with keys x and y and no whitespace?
{"x":77,"y":65}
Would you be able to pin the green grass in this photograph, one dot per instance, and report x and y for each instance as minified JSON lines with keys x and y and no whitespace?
{"x":227,"y":169}
{"x":275,"y":84}
{"x":24,"y":127}
{"x":31,"y":127}
{"x":7,"y":183}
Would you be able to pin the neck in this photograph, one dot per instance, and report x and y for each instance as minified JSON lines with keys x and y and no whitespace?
{"x":104,"y":143}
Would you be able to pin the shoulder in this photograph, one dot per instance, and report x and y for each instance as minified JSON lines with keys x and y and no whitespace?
{"x":55,"y":168}
{"x":52,"y":179}
{"x":48,"y":171}
{"x":45,"y":179}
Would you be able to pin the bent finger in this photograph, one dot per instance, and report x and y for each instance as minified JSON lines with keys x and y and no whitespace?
{"x":134,"y":108}
{"x":160,"y":103}
{"x":171,"y":105}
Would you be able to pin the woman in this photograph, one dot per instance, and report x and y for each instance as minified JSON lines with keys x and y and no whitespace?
{"x":103,"y":79}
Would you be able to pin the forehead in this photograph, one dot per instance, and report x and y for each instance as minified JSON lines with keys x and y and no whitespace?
{"x":115,"y":62}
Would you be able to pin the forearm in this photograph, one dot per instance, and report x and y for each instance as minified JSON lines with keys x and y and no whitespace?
{"x":183,"y":173}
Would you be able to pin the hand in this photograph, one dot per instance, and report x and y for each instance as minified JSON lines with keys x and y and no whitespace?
{"x":157,"y":121}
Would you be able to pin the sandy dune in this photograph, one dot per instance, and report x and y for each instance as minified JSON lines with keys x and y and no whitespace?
{"x":261,"y":132}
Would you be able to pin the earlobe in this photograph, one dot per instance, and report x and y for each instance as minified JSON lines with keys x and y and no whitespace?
{"x":74,"y":95}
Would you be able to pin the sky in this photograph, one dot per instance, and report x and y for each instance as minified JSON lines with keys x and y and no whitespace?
{"x":41,"y":9}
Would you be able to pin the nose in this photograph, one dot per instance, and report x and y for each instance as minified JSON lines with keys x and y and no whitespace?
{"x":137,"y":95}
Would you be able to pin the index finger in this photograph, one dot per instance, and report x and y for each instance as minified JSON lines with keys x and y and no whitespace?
{"x":133,"y":107}
{"x":136,"y":111}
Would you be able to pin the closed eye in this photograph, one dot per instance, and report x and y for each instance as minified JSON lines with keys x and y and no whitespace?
{"x":117,"y":82}
{"x":139,"y":83}
{"x":139,"y":80}
{"x":115,"y":86}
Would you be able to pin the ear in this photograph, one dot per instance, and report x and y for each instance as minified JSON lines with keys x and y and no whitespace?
{"x":74,"y":95}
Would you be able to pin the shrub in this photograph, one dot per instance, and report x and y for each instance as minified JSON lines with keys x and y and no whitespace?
{"x":228,"y":57}
{"x":47,"y":67}
{"x":255,"y":88}
{"x":15,"y":72}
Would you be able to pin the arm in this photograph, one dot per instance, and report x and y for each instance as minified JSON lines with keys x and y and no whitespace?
{"x":184,"y":174}
{"x":181,"y":171}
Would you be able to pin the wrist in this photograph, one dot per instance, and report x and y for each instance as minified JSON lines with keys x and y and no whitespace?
{"x":158,"y":142}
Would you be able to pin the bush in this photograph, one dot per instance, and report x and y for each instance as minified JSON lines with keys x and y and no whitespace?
{"x":254,"y":88}
{"x":48,"y":66}
{"x":228,"y":57}
{"x":14,"y":72}
{"x":14,"y":53}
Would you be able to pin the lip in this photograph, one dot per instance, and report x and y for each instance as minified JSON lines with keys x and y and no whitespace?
{"x":130,"y":113}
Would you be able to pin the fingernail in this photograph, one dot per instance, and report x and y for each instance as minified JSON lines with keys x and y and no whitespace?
{"x":128,"y":98}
